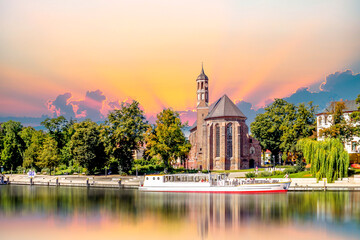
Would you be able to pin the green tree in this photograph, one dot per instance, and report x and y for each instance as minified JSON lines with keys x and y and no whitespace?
{"x":267,"y":126}
{"x":12,"y":145}
{"x":86,"y":146}
{"x":57,"y":129}
{"x":34,"y":141}
{"x":328,"y":158}
{"x":166,"y":138}
{"x":340,"y":128}
{"x":282,"y":125}
{"x":123,"y":133}
{"x":298,"y":123}
{"x":355,"y":116}
{"x":49,"y":155}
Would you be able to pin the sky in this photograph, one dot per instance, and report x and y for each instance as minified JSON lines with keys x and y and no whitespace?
{"x":83,"y":58}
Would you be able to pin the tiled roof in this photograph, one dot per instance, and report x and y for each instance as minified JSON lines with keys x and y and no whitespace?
{"x":193,"y":126}
{"x":350,"y":106}
{"x":224,"y":107}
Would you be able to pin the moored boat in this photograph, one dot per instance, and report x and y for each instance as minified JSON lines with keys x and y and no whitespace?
{"x":211,"y":183}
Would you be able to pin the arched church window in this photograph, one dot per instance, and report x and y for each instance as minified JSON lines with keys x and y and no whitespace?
{"x":252,"y":150}
{"x":217,"y":132}
{"x":229,"y":134}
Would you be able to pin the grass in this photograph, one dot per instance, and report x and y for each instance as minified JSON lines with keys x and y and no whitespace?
{"x":304,"y":174}
{"x":241,"y":170}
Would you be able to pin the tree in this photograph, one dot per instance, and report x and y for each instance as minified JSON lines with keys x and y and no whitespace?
{"x":299,"y":123}
{"x":340,"y":128}
{"x":49,"y":155}
{"x":266,"y":127}
{"x":57,"y":129}
{"x":355,"y":116}
{"x":328,"y":158}
{"x":166,"y":138}
{"x":12,"y":145}
{"x":86,"y":146}
{"x":123,"y":133}
{"x":282,"y":125}
{"x":34,"y":141}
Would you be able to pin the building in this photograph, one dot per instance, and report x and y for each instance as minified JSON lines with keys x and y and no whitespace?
{"x":219,"y":137}
{"x":324,"y":120}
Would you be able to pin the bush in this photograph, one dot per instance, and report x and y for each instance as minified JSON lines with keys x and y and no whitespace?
{"x":265,"y":174}
{"x":250,"y":175}
{"x":45,"y":171}
{"x":290,"y":171}
{"x":20,"y":169}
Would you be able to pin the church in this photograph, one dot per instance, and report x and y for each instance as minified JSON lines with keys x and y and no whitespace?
{"x":219,"y":137}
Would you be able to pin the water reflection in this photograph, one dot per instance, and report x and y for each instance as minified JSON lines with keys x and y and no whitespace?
{"x":198,"y":215}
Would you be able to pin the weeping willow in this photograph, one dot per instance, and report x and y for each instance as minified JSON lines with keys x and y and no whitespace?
{"x":328,"y":158}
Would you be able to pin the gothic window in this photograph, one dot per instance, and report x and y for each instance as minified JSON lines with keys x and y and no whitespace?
{"x":252,"y":150}
{"x":217,"y":130}
{"x":229,"y":134}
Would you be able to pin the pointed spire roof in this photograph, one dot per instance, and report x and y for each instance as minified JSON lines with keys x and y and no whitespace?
{"x":224,"y":107}
{"x":202,"y":75}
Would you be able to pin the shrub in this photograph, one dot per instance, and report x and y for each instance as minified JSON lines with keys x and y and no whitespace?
{"x":265,"y":174}
{"x":45,"y":171}
{"x":290,"y":170}
{"x":250,"y":175}
{"x":277,"y":173}
{"x":20,"y":169}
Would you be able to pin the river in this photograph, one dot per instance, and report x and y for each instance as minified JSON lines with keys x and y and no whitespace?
{"x":41,"y":212}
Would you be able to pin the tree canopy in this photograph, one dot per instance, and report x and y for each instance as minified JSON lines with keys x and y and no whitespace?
{"x":123,"y":133}
{"x":166,"y":139}
{"x":282,"y":124}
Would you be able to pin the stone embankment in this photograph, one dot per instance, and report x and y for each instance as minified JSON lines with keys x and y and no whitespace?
{"x":76,"y":181}
{"x":298,"y":184}
{"x":310,"y":184}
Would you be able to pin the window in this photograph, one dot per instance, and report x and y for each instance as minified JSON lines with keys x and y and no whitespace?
{"x":158,"y":178}
{"x":229,"y":140}
{"x":202,"y":96}
{"x":217,"y":132}
{"x":202,"y":85}
{"x":320,"y":120}
{"x":252,"y":150}
{"x":353,"y":146}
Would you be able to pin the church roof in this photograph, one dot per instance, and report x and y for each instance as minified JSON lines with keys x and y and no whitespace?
{"x":193,"y":126}
{"x":202,"y":75}
{"x":224,"y":107}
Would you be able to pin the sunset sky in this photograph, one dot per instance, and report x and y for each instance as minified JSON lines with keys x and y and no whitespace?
{"x":94,"y":54}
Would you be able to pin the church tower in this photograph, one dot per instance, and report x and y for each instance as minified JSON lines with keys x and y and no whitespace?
{"x":202,"y":111}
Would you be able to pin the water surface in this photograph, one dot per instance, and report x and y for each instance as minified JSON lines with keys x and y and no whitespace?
{"x":42,"y":212}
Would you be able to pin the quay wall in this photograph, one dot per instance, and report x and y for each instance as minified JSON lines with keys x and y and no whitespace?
{"x":298,"y":184}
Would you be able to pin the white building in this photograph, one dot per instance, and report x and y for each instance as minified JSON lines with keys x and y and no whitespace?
{"x":324,"y":120}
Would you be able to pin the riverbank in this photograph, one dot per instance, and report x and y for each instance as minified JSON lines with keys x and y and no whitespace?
{"x":116,"y":181}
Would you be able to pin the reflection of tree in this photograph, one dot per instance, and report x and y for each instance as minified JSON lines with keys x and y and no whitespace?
{"x":209,"y":211}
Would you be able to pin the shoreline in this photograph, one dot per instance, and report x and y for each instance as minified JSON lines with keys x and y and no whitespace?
{"x":133,"y":182}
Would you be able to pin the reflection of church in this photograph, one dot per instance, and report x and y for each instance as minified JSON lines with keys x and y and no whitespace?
{"x":220,"y":138}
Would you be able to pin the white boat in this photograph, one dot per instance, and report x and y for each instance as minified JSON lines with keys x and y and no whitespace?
{"x":211,"y":183}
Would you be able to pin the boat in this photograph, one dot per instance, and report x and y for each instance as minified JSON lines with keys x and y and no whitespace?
{"x":211,"y":183}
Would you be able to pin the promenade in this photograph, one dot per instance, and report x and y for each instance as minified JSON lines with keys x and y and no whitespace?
{"x":116,"y":181}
